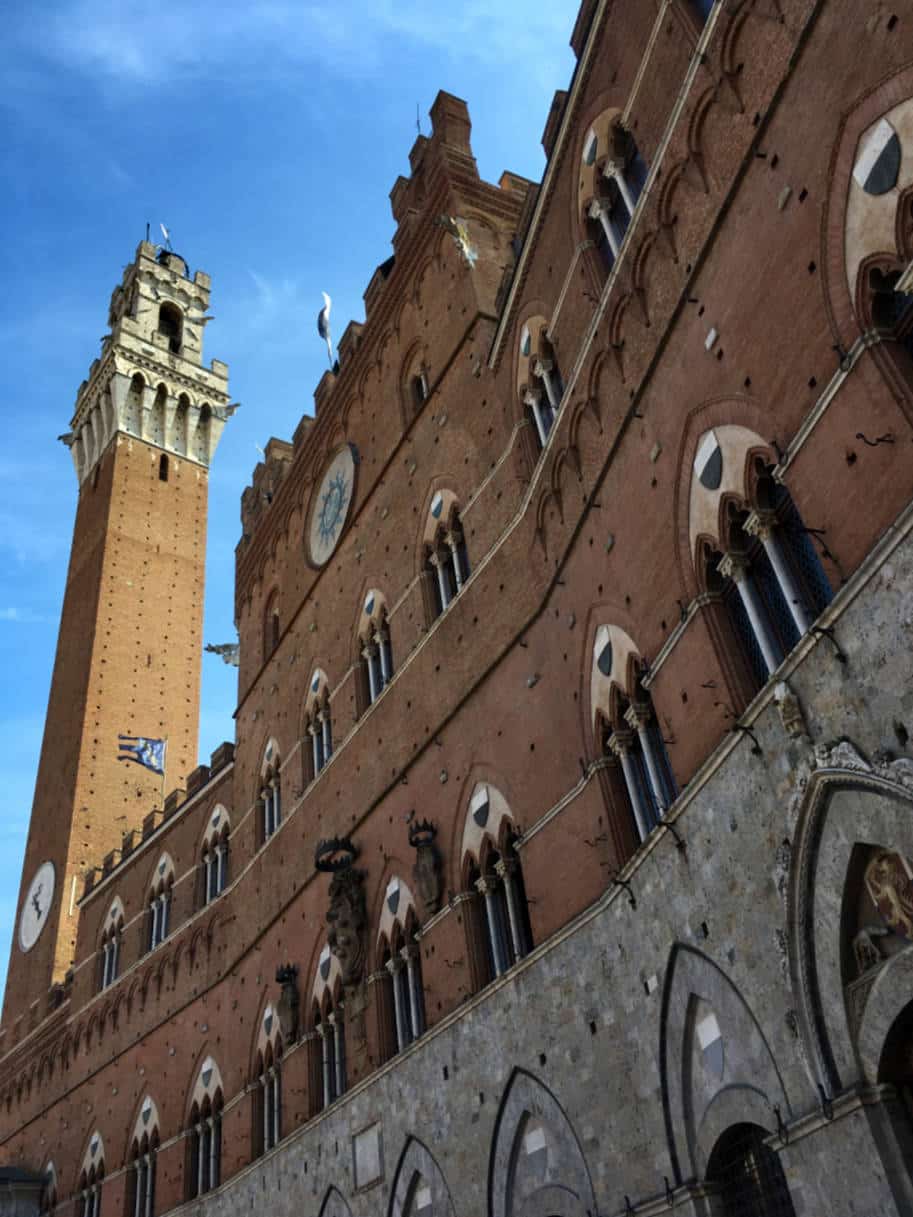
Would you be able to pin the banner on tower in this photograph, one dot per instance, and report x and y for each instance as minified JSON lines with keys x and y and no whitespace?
{"x":150,"y":753}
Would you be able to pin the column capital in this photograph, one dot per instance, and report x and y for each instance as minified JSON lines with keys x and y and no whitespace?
{"x":532,"y":397}
{"x":620,"y":742}
{"x":453,"y":537}
{"x":409,"y":951}
{"x":612,"y":168}
{"x":597,"y":207}
{"x":638,"y":716}
{"x":393,"y":964}
{"x":542,"y":368}
{"x":760,"y":524}
{"x":484,"y":885}
{"x":733,"y":566}
{"x":505,"y":866}
{"x":369,"y":649}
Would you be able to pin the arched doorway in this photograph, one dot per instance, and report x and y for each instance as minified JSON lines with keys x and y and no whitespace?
{"x":748,"y":1174}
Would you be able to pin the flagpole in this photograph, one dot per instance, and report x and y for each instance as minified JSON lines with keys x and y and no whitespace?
{"x":164,"y":764}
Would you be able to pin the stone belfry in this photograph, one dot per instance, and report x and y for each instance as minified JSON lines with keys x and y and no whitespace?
{"x":146,"y":425}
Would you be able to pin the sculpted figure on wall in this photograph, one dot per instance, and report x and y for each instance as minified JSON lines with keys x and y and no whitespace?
{"x":346,"y":915}
{"x":427,"y":869}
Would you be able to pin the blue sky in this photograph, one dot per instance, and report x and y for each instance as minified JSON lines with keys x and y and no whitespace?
{"x":267,"y":137}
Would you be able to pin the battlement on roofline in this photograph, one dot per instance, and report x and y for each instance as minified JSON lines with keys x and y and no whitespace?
{"x":442,"y":166}
{"x":176,"y":802}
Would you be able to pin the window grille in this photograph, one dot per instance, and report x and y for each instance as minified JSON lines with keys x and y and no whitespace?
{"x":749,"y":1175}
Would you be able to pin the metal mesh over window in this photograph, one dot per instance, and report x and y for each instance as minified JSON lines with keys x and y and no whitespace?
{"x":749,"y":1175}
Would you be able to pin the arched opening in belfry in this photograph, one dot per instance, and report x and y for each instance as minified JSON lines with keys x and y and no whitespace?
{"x":171,"y":325}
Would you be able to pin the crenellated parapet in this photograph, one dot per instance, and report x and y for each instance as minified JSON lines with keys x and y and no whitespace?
{"x":149,"y":381}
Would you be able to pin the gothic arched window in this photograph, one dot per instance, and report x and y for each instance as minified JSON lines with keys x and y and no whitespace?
{"x":141,"y":1177}
{"x":270,"y":798}
{"x":109,"y":952}
{"x":159,"y":907}
{"x":318,"y":726}
{"x":539,"y":381}
{"x":498,"y":924}
{"x":205,"y":1156}
{"x":446,"y":563}
{"x":401,"y":962}
{"x":171,"y":325}
{"x":268,"y":1105}
{"x":215,"y":856}
{"x":612,"y":177}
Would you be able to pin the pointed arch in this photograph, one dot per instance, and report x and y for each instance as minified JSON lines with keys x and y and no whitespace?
{"x":417,"y":1172}
{"x":846,"y":801}
{"x":716,"y":1067}
{"x":334,"y":1204}
{"x":537,"y":1166}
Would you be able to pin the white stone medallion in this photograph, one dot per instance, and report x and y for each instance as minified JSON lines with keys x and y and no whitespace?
{"x":331,"y":505}
{"x":36,"y":906}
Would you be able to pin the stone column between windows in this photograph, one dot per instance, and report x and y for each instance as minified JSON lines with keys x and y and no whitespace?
{"x":505,"y":869}
{"x":325,"y":1061}
{"x":267,"y":1104}
{"x":316,"y":744}
{"x":149,"y":1161}
{"x":201,"y":1156}
{"x":213,"y":1153}
{"x":763,"y":527}
{"x":382,"y":642}
{"x":394,"y":966}
{"x":326,"y":733}
{"x":368,"y":652}
{"x":409,"y":954}
{"x":616,"y":173}
{"x":441,"y":579}
{"x":453,"y":540}
{"x":533,"y":399}
{"x":620,"y":744}
{"x":338,"y":1020}
{"x":736,"y":568}
{"x":543,"y":369}
{"x":138,"y":1185}
{"x":638,"y":718}
{"x":485,"y":886}
{"x":598,"y":210}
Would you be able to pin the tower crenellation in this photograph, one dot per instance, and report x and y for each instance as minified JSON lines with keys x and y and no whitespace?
{"x":149,"y":381}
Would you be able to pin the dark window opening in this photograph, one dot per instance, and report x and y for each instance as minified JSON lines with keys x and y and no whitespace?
{"x":163,"y":468}
{"x":171,"y":325}
{"x":749,"y":1175}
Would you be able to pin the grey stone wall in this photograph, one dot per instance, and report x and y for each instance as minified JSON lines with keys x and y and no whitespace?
{"x":706,"y":994}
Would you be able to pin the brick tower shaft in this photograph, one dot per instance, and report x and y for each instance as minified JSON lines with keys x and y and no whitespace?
{"x":146,"y":424}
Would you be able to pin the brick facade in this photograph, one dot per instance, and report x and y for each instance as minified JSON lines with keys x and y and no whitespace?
{"x":646,"y":923}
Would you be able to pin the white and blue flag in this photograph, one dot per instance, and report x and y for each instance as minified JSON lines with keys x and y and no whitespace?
{"x":150,"y":753}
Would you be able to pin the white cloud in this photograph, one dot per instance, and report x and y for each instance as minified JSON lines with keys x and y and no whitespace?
{"x":121,"y":40}
{"x":23,"y":616}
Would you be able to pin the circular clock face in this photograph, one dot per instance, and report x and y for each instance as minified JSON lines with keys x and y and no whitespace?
{"x":331,"y":506}
{"x":37,"y":906}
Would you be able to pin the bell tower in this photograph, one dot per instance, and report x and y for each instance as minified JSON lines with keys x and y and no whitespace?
{"x":145,"y":428}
